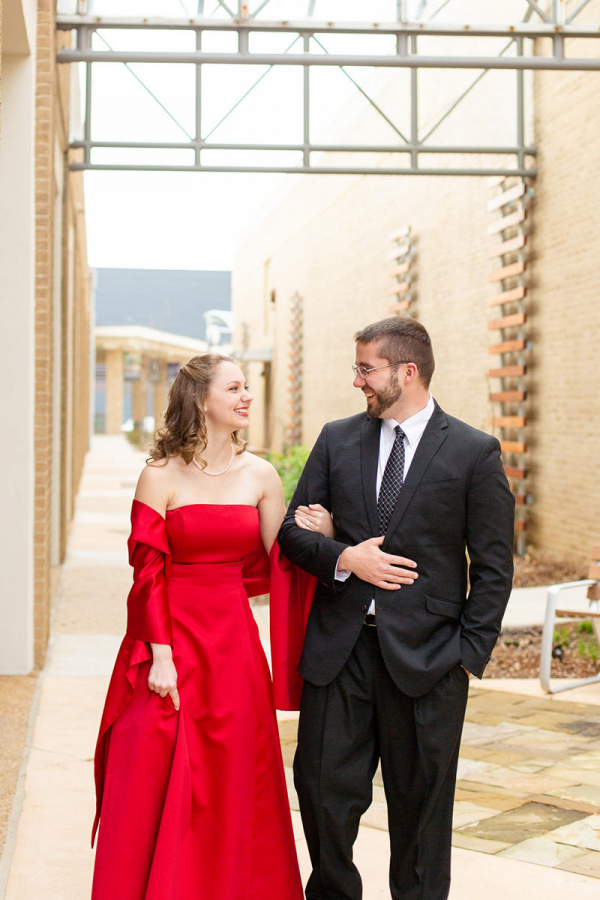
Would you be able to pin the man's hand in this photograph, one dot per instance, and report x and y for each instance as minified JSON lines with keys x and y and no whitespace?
{"x":384,"y":570}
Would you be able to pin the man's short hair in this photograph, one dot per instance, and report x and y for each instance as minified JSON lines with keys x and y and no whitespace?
{"x":401,"y":338}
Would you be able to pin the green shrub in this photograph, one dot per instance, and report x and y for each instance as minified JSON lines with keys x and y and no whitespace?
{"x":289,"y":465}
{"x":585,"y":627}
{"x":561,"y":637}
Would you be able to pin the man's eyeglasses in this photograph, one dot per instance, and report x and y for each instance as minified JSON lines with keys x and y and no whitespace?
{"x":364,"y":371}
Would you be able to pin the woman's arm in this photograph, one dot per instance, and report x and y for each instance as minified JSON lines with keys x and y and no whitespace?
{"x":154,"y":489}
{"x":271,"y":506}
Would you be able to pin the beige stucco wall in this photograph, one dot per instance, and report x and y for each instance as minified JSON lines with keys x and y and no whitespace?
{"x":328,"y":239}
{"x":17,"y":327}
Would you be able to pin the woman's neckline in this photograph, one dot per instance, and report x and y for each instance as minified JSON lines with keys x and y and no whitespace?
{"x":187,"y":505}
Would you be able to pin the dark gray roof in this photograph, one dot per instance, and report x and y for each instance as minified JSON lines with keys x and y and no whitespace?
{"x":172,"y":300}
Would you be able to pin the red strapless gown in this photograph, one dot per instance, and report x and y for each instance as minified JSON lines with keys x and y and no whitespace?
{"x":193,"y":804}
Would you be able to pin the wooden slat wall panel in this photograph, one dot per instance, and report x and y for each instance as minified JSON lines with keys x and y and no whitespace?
{"x":508,"y":246}
{"x":508,"y":296}
{"x":508,"y":421}
{"x":509,"y":395}
{"x":507,"y":321}
{"x":506,"y":197}
{"x":507,"y":346}
{"x":507,"y":372}
{"x":401,"y":288}
{"x":402,"y":306}
{"x":513,"y":446}
{"x":507,"y":222}
{"x":507,"y":272}
{"x":515,"y":472}
{"x":402,"y":272}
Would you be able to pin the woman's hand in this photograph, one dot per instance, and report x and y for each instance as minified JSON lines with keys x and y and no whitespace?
{"x":315,"y":517}
{"x":163,"y":675}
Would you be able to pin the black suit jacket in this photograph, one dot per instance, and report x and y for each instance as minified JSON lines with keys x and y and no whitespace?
{"x":455,"y":498}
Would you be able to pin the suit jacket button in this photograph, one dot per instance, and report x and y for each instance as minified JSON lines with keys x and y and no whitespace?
{"x":364,"y":607}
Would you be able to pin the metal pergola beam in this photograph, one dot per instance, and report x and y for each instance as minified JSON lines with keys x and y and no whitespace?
{"x":314,"y":148}
{"x":410,"y":61}
{"x":421,"y":28}
{"x":308,"y":170}
{"x":554,"y":25}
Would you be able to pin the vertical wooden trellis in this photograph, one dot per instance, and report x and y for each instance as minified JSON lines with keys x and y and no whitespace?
{"x":508,"y":380}
{"x":294,"y":427}
{"x":402,"y":256}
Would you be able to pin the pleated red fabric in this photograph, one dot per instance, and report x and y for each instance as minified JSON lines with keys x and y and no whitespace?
{"x":192,"y":805}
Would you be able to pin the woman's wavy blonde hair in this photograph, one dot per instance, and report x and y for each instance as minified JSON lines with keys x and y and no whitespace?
{"x":184,"y":432}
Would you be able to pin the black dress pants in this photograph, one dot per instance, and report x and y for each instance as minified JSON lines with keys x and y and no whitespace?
{"x":345,"y":728}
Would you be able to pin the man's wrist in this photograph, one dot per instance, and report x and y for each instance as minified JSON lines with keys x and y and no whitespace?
{"x":345,"y":560}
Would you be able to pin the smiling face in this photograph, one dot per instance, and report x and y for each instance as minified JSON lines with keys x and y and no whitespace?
{"x":382,"y":388}
{"x":228,"y":399}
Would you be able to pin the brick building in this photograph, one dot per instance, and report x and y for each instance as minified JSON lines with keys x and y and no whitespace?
{"x":317,"y":269}
{"x":45,"y":326}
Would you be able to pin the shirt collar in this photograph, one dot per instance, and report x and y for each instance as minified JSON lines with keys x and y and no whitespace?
{"x":413,"y":427}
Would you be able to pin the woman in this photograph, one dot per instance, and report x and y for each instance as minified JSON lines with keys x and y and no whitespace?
{"x":191,"y":792}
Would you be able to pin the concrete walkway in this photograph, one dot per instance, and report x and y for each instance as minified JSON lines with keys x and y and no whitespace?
{"x":527,"y":814}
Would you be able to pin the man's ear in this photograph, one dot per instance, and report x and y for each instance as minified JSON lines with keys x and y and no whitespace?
{"x":410,"y":373}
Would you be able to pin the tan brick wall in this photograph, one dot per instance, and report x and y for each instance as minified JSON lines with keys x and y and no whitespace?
{"x":0,"y":65}
{"x":52,"y":111}
{"x":565,"y":378}
{"x":44,"y":219}
{"x":329,"y":237}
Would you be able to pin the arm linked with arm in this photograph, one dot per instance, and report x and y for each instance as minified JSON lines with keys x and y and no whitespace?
{"x":489,"y":535}
{"x":308,"y":549}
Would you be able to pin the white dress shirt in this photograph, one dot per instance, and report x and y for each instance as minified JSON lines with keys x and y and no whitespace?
{"x":413,"y":429}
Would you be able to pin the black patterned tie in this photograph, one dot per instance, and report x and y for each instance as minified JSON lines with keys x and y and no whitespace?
{"x":391,"y":483}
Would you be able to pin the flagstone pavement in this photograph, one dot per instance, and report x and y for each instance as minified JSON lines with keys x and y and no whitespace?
{"x":527,"y":810}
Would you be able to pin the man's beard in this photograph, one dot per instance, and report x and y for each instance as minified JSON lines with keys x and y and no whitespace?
{"x":385,"y":398}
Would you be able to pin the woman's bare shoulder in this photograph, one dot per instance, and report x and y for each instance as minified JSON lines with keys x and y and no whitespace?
{"x":155,"y":484}
{"x":260,"y":465}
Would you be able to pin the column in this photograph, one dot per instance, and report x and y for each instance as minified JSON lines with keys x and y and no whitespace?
{"x":159,"y":390}
{"x":114,"y":391}
{"x":17,"y":360}
{"x":139,"y":390}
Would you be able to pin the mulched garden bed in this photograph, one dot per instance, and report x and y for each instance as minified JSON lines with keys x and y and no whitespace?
{"x":533,"y":570}
{"x":517,"y":653}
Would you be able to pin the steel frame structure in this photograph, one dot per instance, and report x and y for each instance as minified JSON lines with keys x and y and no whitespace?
{"x":555,"y":25}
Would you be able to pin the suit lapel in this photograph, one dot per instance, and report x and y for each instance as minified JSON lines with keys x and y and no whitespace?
{"x":433,"y":437}
{"x":369,"y":455}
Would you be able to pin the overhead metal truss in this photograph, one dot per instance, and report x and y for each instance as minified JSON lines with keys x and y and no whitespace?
{"x":556,"y":25}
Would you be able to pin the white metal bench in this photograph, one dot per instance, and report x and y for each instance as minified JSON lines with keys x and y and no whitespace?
{"x":553,"y":612}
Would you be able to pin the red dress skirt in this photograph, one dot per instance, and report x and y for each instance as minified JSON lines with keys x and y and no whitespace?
{"x":192,"y":805}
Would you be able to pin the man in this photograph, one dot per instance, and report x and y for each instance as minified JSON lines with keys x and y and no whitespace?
{"x":399,"y":618}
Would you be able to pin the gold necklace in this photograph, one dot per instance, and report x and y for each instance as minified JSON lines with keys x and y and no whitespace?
{"x":215,"y":474}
